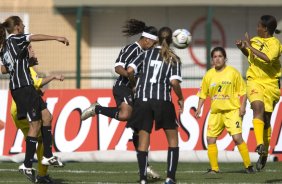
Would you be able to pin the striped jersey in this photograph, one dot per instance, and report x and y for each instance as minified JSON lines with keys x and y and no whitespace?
{"x":155,"y":75}
{"x":15,"y":58}
{"x":126,"y":56}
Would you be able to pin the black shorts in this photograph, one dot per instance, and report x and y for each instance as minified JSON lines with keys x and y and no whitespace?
{"x":145,"y":112}
{"x":29,"y":103}
{"x":123,"y":94}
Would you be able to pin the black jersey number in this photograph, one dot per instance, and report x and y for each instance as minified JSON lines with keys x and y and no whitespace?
{"x":237,"y":124}
{"x":261,"y":47}
{"x":157,"y":66}
{"x":219,"y":88}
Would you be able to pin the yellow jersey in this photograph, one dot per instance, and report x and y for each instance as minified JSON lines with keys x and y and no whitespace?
{"x":36,"y":80}
{"x":258,"y":68}
{"x":224,"y":88}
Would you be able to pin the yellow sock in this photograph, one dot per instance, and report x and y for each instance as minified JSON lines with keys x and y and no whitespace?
{"x":213,"y":154}
{"x":42,"y":169}
{"x":258,"y":128}
{"x":266,"y":138}
{"x":243,"y":149}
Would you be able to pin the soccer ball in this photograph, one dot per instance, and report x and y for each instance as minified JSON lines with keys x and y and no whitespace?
{"x":181,"y":38}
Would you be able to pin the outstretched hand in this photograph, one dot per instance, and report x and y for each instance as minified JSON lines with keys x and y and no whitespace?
{"x":59,"y":77}
{"x":63,"y":40}
{"x":240,"y":44}
{"x":247,"y":40}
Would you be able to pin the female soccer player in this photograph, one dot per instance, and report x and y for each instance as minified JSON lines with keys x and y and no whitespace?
{"x":224,"y":85}
{"x":23,"y":125}
{"x":122,"y":89}
{"x":263,"y":85}
{"x":30,"y":105}
{"x":161,"y":71}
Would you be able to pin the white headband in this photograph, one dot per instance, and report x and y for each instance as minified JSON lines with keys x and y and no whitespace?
{"x":148,"y":35}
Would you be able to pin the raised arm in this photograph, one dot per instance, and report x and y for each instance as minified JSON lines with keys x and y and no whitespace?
{"x":42,"y":37}
{"x":241,"y":45}
{"x":261,"y":55}
{"x":48,"y":79}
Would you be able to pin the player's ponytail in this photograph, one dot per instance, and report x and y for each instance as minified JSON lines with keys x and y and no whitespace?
{"x":165,"y":39}
{"x":2,"y":36}
{"x":133,"y":27}
{"x":11,"y":22}
{"x":277,"y":31}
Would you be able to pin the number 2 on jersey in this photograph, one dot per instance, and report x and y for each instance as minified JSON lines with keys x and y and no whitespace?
{"x":219,"y":88}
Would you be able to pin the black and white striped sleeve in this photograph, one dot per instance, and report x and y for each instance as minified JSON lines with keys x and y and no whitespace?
{"x":137,"y":63}
{"x":176,"y":72}
{"x":126,"y":55}
{"x":22,"y":40}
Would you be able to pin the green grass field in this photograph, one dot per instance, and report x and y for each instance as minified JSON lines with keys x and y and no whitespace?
{"x":127,"y":173}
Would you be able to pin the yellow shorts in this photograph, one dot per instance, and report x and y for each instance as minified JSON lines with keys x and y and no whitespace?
{"x":225,"y":119}
{"x":23,"y":124}
{"x":266,"y":91}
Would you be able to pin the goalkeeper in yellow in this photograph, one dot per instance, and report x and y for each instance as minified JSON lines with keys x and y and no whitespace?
{"x":224,"y":85}
{"x":23,"y":125}
{"x":263,"y":85}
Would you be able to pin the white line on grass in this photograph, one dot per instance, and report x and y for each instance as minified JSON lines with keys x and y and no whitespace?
{"x":113,"y":172}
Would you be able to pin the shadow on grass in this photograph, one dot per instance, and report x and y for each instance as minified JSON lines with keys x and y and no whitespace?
{"x":59,"y":181}
{"x":236,"y":171}
{"x":274,"y":181}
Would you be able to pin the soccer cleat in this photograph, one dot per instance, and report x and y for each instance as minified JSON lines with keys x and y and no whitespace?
{"x":52,"y":161}
{"x":261,"y":162}
{"x":90,"y":111}
{"x":210,"y":171}
{"x":260,"y":149}
{"x":250,"y":170}
{"x":44,"y":179}
{"x":28,"y":172}
{"x":169,"y":181}
{"x":143,"y":182}
{"x":152,"y":174}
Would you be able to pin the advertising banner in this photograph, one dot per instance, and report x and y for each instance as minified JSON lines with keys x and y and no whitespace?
{"x":101,"y":133}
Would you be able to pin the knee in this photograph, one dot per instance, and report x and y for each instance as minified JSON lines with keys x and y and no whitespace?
{"x":47,"y":119}
{"x":238,"y":140}
{"x":211,"y":140}
{"x":124,"y":116}
{"x":258,"y":109}
{"x":35,"y":126}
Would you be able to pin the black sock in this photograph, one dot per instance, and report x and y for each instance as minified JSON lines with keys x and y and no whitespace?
{"x":30,"y":150}
{"x":111,"y":112}
{"x":47,"y":141}
{"x":172,"y":161}
{"x":135,"y":140}
{"x":142,"y":157}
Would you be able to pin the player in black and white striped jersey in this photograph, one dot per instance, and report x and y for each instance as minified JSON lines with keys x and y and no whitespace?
{"x":160,"y":70}
{"x":122,"y":89}
{"x":14,"y":56}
